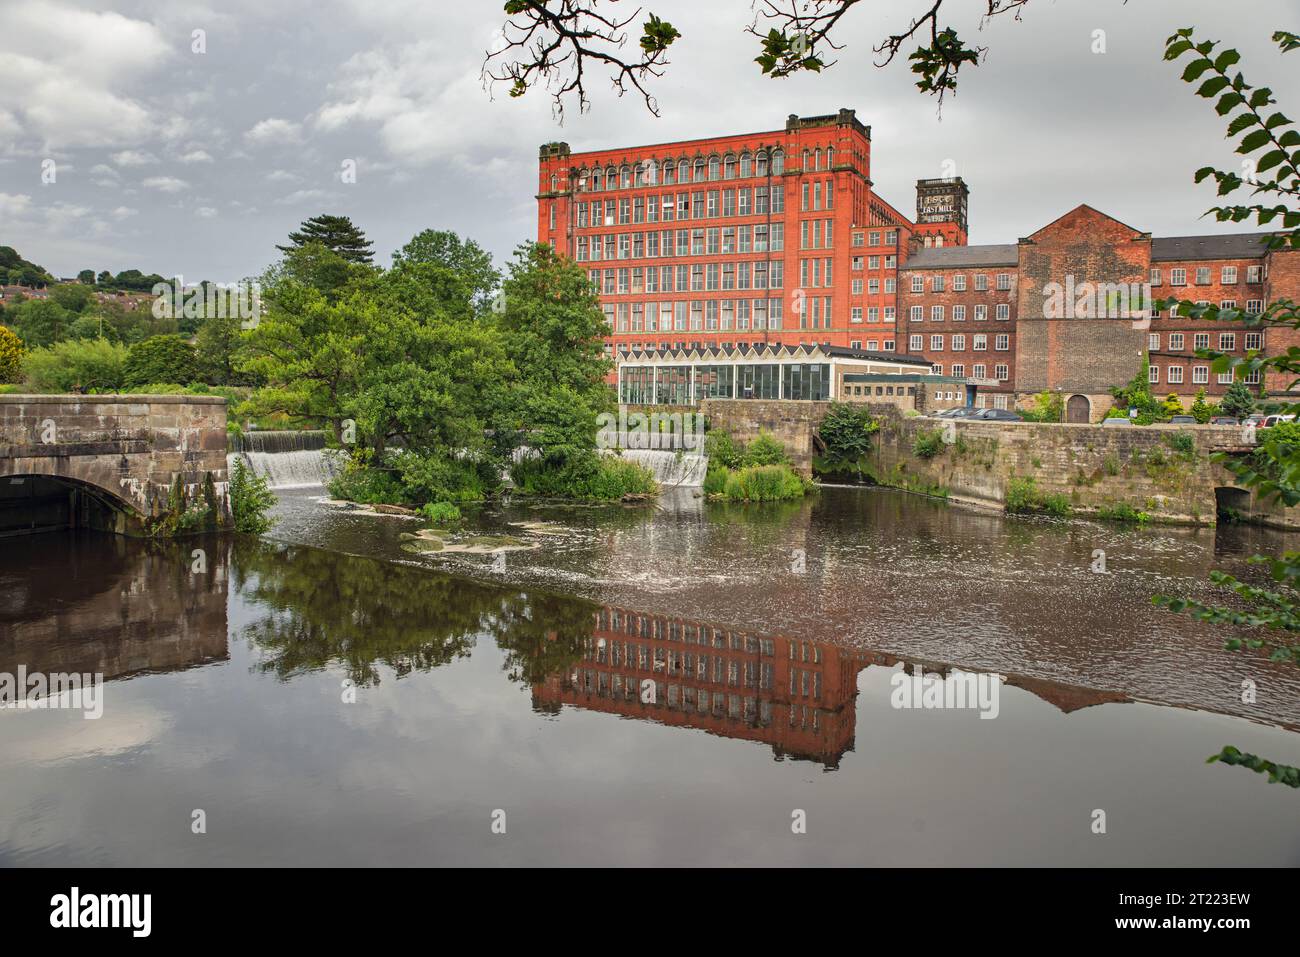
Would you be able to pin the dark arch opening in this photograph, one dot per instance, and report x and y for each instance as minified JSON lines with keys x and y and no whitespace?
{"x":30,"y":504}
{"x":1232,"y":503}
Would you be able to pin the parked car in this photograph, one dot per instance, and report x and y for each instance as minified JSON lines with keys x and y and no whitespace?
{"x":1255,"y":418}
{"x":1182,"y":420}
{"x":998,"y":415}
{"x":955,"y":412}
{"x":1229,"y":420}
{"x":1115,"y":420}
{"x":1272,"y":420}
{"x":965,"y":412}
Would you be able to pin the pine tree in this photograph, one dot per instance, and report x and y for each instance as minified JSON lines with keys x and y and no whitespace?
{"x":1237,"y":401}
{"x":333,"y":232}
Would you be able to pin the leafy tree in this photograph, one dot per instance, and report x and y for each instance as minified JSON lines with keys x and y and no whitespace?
{"x":554,"y":330}
{"x":1171,"y":406}
{"x":336,"y":233}
{"x":161,"y":359}
{"x":1268,"y":616}
{"x":75,"y":299}
{"x":76,"y":365}
{"x":11,"y":356}
{"x":86,"y":277}
{"x":1237,"y":401}
{"x":105,"y":278}
{"x":40,"y":322}
{"x":216,"y":346}
{"x":459,"y":271}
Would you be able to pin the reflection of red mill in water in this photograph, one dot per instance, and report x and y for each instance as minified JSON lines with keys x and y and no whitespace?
{"x":799,"y":697}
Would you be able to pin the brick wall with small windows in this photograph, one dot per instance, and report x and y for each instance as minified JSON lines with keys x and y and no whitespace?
{"x":959,"y":311}
{"x":1282,"y":281}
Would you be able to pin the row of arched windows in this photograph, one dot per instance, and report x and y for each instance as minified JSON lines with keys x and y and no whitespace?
{"x":650,"y":172}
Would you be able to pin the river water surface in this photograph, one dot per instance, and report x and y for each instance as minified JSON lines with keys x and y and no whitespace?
{"x":329,"y":696}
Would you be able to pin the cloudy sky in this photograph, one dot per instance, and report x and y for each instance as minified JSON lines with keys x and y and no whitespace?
{"x":178,"y":162}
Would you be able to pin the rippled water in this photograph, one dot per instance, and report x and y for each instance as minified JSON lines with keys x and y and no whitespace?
{"x":330,"y":698}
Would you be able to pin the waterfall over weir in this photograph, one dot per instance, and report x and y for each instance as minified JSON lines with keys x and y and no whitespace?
{"x":672,"y":469}
{"x":286,"y":459}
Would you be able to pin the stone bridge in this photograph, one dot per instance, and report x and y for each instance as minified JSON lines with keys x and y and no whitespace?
{"x":110,"y":462}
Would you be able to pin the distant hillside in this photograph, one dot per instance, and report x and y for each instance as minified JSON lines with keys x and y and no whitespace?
{"x":17,"y":271}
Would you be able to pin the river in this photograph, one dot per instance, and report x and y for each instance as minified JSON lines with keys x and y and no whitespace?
{"x":329,"y":696}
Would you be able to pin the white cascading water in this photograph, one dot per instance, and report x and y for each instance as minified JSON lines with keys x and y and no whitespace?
{"x":287,"y":459}
{"x":671,"y":469}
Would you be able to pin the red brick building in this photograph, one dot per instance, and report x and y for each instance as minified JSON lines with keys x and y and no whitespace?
{"x":1067,"y":309}
{"x":779,"y":237}
{"x":770,"y":237}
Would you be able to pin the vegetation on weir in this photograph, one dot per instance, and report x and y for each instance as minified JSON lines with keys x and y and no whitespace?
{"x":759,"y":471}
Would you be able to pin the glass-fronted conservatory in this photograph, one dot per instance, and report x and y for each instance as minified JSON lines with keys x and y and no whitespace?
{"x":808,"y":372}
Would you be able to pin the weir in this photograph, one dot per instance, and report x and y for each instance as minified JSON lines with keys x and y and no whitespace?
{"x":286,"y":459}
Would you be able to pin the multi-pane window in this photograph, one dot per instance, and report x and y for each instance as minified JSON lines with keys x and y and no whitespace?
{"x":1153,"y":374}
{"x":981,"y":283}
{"x":1002,"y":373}
{"x":918,"y":284}
{"x":936,"y":343}
{"x":915,"y":343}
{"x":1202,"y":275}
{"x":1003,"y":310}
{"x":1155,"y":276}
{"x":958,"y":313}
{"x":1228,"y":275}
{"x":958,"y":343}
{"x":937,"y":284}
{"x":1200,"y":375}
{"x":1254,"y":274}
{"x":1254,"y":341}
{"x":1175,"y":375}
{"x":981,"y":312}
{"x":980,"y":343}
{"x":1201,"y":340}
{"x":1176,"y":342}
{"x":1004,"y":280}
{"x":1227,"y":341}
{"x":959,"y":283}
{"x":1153,"y":340}
{"x":1002,"y":343}
{"x":1178,"y":277}
{"x":936,"y":313}
{"x":916,"y":314}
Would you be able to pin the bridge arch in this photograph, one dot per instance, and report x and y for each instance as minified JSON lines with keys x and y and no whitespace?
{"x":45,"y":501}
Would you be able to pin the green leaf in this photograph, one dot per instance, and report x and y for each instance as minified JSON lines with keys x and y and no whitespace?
{"x":1195,"y":69}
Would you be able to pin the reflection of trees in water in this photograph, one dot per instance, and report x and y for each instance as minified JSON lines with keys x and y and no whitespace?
{"x":541,"y":635}
{"x":328,"y":608}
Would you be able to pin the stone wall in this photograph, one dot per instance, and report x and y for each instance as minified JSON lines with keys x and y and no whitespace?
{"x":131,"y":447}
{"x":1096,"y":467}
{"x":793,"y":423}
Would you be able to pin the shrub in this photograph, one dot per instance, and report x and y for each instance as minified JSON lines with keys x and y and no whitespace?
{"x":76,"y":364}
{"x":440,"y":513}
{"x":166,"y":358}
{"x":846,"y":432}
{"x":715,"y":480}
{"x":11,"y":355}
{"x":1202,"y":410}
{"x":1123,"y":512}
{"x":1182,"y":443}
{"x":433,"y":478}
{"x":250,"y":500}
{"x":362,"y":482}
{"x":722,"y":450}
{"x":589,"y":476}
{"x":764,"y":483}
{"x":1047,"y":407}
{"x":928,"y":443}
{"x":1024,"y":495}
{"x":764,"y":450}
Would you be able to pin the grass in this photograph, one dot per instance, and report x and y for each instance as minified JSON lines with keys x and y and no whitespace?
{"x":756,"y":483}
{"x":1023,"y":495}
